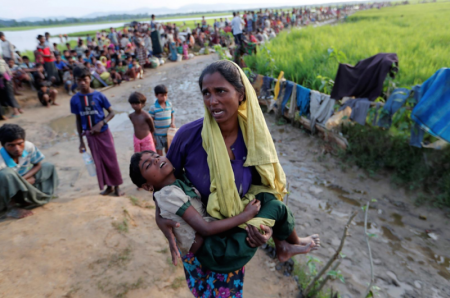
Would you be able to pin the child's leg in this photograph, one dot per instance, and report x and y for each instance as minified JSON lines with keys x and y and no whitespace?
{"x":286,"y":240}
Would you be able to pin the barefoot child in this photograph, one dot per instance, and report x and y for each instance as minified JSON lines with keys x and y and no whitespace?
{"x":178,"y":200}
{"x":88,"y":105}
{"x":144,"y":128}
{"x":162,"y":113}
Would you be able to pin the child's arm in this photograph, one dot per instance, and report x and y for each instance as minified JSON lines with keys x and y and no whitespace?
{"x":150,"y":123}
{"x":204,"y":228}
{"x":172,"y":124}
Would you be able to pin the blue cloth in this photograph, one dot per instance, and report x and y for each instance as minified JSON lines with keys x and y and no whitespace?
{"x":173,"y":52}
{"x":432,"y":112}
{"x":91,"y":109}
{"x":287,"y":94}
{"x":267,"y":83}
{"x":303,"y":99}
{"x":208,"y":284}
{"x":417,"y":132}
{"x":360,"y":108}
{"x":30,"y":157}
{"x":60,"y":65}
{"x":393,"y":104}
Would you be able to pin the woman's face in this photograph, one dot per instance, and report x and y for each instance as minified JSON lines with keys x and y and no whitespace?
{"x":221,"y":98}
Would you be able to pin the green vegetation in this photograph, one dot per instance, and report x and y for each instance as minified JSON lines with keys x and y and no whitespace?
{"x":418,"y":33}
{"x":374,"y":149}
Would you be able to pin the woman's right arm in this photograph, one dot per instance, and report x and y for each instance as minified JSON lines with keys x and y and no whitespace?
{"x":166,"y":226}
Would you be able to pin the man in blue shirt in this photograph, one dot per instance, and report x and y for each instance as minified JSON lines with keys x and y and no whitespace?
{"x":88,"y":106}
{"x":26,"y":181}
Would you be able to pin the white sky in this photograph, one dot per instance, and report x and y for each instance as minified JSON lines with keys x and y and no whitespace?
{"x":78,"y":8}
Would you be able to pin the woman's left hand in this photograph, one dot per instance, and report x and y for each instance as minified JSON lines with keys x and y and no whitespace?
{"x":255,"y":238}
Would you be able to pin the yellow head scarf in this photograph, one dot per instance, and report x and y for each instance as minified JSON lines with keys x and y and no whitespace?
{"x":224,"y":200}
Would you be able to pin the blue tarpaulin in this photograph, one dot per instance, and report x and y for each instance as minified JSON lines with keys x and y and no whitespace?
{"x":432,"y":112}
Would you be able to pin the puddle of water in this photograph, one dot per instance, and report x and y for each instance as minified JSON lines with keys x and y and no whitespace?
{"x":388,"y":234}
{"x":350,"y":201}
{"x":64,"y":126}
{"x":397,"y":220}
{"x":441,"y":263}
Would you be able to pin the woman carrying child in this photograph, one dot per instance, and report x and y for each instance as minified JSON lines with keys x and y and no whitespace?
{"x":230,"y":159}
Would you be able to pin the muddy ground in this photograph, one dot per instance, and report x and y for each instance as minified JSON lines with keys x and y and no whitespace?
{"x":85,"y":245}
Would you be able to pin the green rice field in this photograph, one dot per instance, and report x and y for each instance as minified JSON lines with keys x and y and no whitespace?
{"x":418,"y":33}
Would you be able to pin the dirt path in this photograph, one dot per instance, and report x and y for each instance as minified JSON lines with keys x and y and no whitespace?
{"x":84,"y":245}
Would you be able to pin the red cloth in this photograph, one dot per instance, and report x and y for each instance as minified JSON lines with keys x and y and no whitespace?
{"x":46,"y":51}
{"x":105,"y":158}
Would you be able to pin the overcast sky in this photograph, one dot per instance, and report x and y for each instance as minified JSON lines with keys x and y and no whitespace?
{"x":78,"y":8}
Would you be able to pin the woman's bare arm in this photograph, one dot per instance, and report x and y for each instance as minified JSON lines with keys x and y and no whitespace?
{"x":204,"y":228}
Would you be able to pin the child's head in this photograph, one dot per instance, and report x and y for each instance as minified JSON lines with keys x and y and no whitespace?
{"x":25,"y":59}
{"x":137,"y":101}
{"x":39,"y":67}
{"x":120,"y":63}
{"x":161,"y":93}
{"x":150,"y":171}
{"x":58,"y":58}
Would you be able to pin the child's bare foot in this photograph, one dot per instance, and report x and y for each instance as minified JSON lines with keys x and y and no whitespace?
{"x":55,"y":104}
{"x":285,"y":251}
{"x":19,"y":213}
{"x":118,"y":192}
{"x":307,"y":240}
{"x":107,"y":191}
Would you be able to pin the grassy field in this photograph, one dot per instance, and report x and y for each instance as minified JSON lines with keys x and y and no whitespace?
{"x":419,"y":34}
{"x":219,"y":14}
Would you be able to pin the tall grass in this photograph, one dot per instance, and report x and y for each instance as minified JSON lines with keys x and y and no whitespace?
{"x":419,"y":34}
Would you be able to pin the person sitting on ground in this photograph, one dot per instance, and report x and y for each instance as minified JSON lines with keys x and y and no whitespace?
{"x":29,"y":68}
{"x":88,"y":106}
{"x":27,"y":182}
{"x":61,"y":65}
{"x":162,"y":113}
{"x":144,"y":128}
{"x":115,"y":76}
{"x":19,"y":76}
{"x":122,"y":69}
{"x":7,"y":97}
{"x":69,"y":83}
{"x":138,"y":69}
{"x":66,"y":56}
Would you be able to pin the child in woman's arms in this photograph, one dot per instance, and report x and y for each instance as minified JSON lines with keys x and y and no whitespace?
{"x":178,"y":200}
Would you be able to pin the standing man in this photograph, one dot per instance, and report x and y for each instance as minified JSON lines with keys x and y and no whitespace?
{"x":7,"y":48}
{"x":88,"y":106}
{"x":26,"y":181}
{"x":236,"y":25}
{"x":114,"y":38}
{"x":48,"y":43}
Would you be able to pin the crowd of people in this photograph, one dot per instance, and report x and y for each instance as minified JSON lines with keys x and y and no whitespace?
{"x":122,"y":55}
